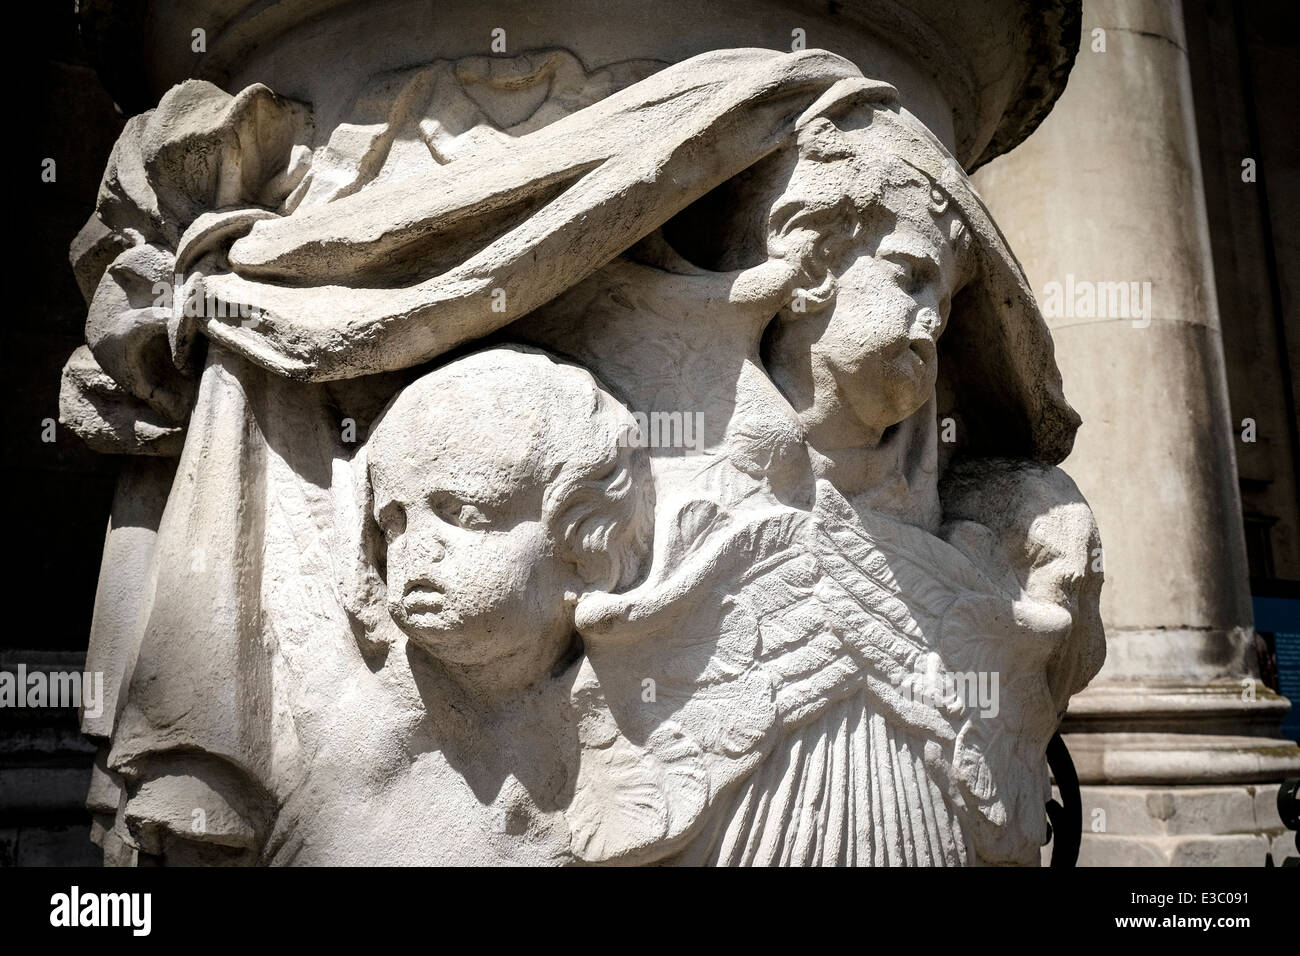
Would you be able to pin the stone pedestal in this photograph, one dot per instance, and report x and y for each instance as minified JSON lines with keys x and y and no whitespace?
{"x":1184,"y":826}
{"x":1176,"y":741}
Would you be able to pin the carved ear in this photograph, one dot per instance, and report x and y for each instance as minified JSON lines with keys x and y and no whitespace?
{"x":581,"y":532}
{"x":362,"y":586}
{"x":601,"y":531}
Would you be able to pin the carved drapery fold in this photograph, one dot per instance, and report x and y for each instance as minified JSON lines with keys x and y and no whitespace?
{"x":438,"y":215}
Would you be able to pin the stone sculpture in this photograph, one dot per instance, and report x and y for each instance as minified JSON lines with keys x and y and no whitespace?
{"x":397,"y":575}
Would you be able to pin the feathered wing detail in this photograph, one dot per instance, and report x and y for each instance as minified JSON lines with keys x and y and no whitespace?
{"x":629,"y":794}
{"x":851,"y":788}
{"x":783,"y":693}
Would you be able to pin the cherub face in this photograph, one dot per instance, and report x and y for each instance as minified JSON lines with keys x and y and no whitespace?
{"x":879,"y":346}
{"x":472,"y":571}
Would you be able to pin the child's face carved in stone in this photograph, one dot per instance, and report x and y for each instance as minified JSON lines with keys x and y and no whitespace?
{"x":473,"y":573}
{"x":870,"y":358}
{"x":880,"y":342}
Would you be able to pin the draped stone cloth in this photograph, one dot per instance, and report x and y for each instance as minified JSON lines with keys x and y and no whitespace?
{"x":223,"y":619}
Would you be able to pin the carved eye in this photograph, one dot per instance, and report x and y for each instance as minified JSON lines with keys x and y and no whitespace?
{"x":460,"y":513}
{"x":915,"y":275}
{"x":392,"y":520}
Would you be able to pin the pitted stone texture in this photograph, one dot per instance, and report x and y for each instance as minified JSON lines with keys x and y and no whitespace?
{"x":1183,"y":826}
{"x":443,"y":596}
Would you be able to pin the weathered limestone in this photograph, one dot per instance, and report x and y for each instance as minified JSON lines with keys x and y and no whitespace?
{"x":1108,"y":190}
{"x":424,"y":588}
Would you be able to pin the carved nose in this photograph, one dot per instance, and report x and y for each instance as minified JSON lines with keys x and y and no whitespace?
{"x":424,"y":546}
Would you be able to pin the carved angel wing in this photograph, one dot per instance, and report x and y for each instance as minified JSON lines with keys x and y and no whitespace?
{"x":781,"y":696}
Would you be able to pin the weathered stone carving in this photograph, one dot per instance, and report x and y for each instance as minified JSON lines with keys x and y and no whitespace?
{"x":420,"y":586}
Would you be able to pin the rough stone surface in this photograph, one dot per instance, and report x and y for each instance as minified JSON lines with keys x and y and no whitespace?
{"x":545,"y":463}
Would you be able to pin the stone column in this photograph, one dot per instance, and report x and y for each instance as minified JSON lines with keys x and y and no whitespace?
{"x":1175,"y":742}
